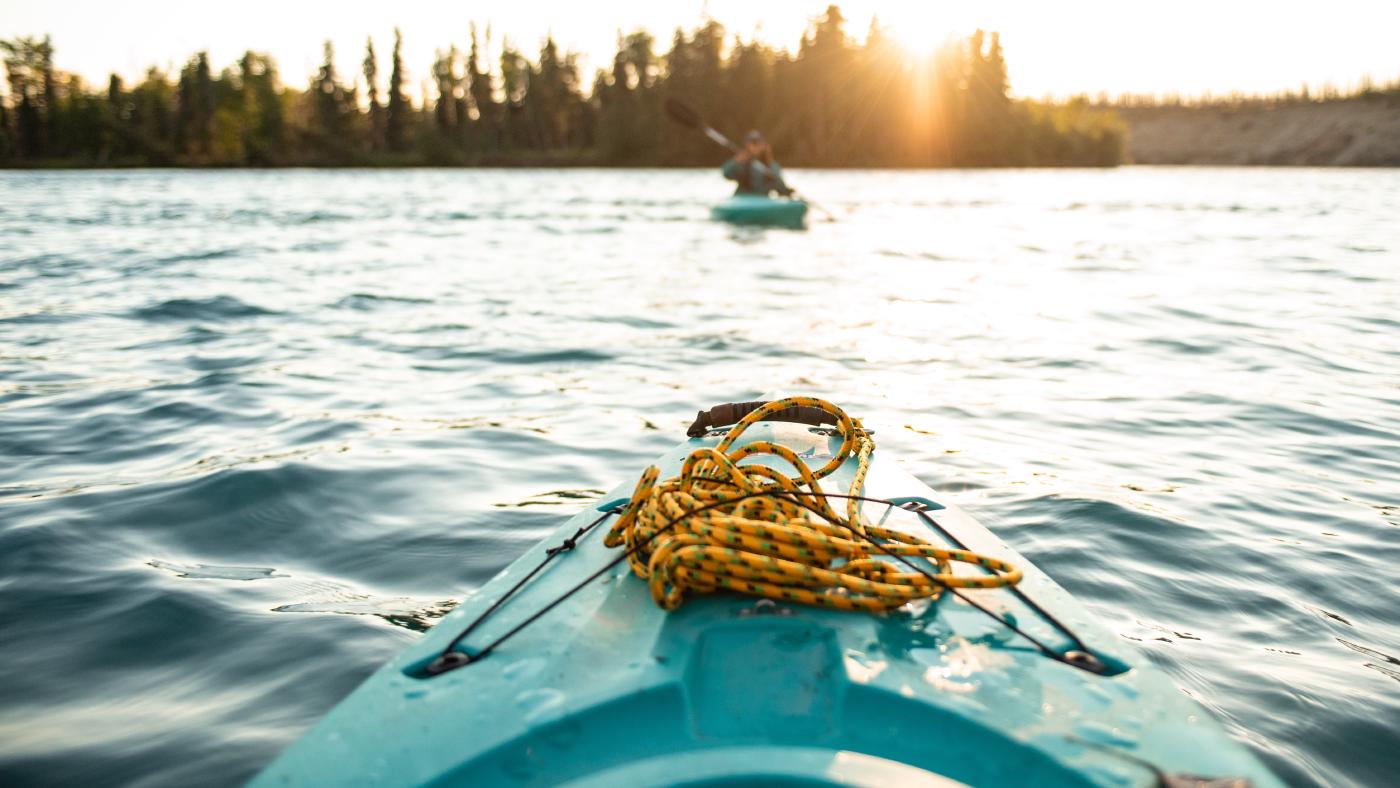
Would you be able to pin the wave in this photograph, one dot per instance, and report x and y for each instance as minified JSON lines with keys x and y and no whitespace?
{"x":364,"y":301}
{"x":222,"y":307}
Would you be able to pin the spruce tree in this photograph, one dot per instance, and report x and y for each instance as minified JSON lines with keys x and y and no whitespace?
{"x":445,"y":110}
{"x":184,"y":111}
{"x":7,"y":149}
{"x":482,"y":97}
{"x":396,"y":122}
{"x":376,"y":110}
{"x":115,"y":116}
{"x":327,"y":97}
{"x":461,"y":100}
{"x":49,"y":119}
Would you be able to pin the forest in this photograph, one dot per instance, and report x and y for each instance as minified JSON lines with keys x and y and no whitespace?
{"x":835,"y":102}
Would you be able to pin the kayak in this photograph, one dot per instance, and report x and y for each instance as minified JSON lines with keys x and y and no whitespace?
{"x":568,"y":668}
{"x":753,"y":209}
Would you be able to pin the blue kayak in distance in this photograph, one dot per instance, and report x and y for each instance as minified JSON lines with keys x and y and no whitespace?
{"x":608,"y":689}
{"x":752,"y":209}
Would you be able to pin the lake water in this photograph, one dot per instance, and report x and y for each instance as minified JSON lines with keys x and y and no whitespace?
{"x":259,"y":429}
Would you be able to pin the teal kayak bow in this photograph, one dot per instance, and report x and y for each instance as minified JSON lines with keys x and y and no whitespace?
{"x":564,"y":670}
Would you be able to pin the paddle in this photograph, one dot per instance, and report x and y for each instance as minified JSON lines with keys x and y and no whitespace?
{"x":689,"y":118}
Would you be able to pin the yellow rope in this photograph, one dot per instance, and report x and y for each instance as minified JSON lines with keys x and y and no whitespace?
{"x":769,"y":546}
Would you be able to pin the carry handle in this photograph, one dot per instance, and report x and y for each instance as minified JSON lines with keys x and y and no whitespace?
{"x":731,"y":412}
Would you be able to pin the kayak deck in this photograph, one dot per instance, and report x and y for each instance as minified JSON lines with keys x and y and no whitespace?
{"x":752,"y":209}
{"x":608,"y":689}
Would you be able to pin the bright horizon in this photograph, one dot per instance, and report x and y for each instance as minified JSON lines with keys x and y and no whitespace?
{"x":1058,"y":49}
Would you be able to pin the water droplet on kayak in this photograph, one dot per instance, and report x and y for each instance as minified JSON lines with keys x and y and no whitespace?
{"x":1100,"y":733}
{"x":523,"y":668}
{"x":862,"y":669}
{"x":539,"y":703}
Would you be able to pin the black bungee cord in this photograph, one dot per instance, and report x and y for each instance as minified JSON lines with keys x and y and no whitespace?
{"x":451,"y":657}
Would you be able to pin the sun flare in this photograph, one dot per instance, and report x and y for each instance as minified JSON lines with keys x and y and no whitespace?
{"x":918,"y":28}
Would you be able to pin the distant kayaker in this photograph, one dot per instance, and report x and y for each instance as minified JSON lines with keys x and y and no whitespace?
{"x":754,"y":169}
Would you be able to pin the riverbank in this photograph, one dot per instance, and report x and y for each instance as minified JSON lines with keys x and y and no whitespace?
{"x":1362,"y":131}
{"x":1358,"y":131}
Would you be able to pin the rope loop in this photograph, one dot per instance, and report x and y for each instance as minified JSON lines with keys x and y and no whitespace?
{"x":721,"y":525}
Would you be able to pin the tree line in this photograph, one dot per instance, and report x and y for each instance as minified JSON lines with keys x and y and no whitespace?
{"x":1366,"y":88}
{"x":833,"y":102}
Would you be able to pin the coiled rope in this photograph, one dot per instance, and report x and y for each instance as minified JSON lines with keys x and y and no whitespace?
{"x":749,"y":528}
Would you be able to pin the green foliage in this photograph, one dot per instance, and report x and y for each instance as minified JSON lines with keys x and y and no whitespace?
{"x":1073,"y":133}
{"x":194,"y":110}
{"x":837,"y":103}
{"x":627,"y":105}
{"x":833,"y":102}
{"x":7,"y":144}
{"x":262,"y":110}
{"x":333,"y":104}
{"x":29,"y":68}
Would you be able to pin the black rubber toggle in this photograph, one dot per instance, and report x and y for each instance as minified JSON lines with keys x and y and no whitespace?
{"x":450,"y":660}
{"x":1085,"y":661}
{"x":567,"y":545}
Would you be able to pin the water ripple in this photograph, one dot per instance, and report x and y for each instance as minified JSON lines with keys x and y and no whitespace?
{"x":239,"y":436}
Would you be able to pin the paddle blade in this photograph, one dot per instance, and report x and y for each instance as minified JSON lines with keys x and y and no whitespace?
{"x":682,"y":114}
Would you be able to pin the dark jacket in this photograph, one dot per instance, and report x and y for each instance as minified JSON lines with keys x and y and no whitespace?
{"x":755,"y":178}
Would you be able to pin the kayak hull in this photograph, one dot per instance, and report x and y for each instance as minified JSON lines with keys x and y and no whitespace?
{"x":756,"y":210}
{"x":608,"y":689}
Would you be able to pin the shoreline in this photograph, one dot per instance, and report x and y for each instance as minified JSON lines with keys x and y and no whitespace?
{"x":1355,"y":132}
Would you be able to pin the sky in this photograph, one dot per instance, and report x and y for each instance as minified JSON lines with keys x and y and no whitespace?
{"x":1053,"y":47}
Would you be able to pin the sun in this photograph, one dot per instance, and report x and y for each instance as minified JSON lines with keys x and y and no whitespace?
{"x":919,"y":28}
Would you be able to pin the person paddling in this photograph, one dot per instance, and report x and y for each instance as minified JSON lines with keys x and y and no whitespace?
{"x":754,"y":169}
